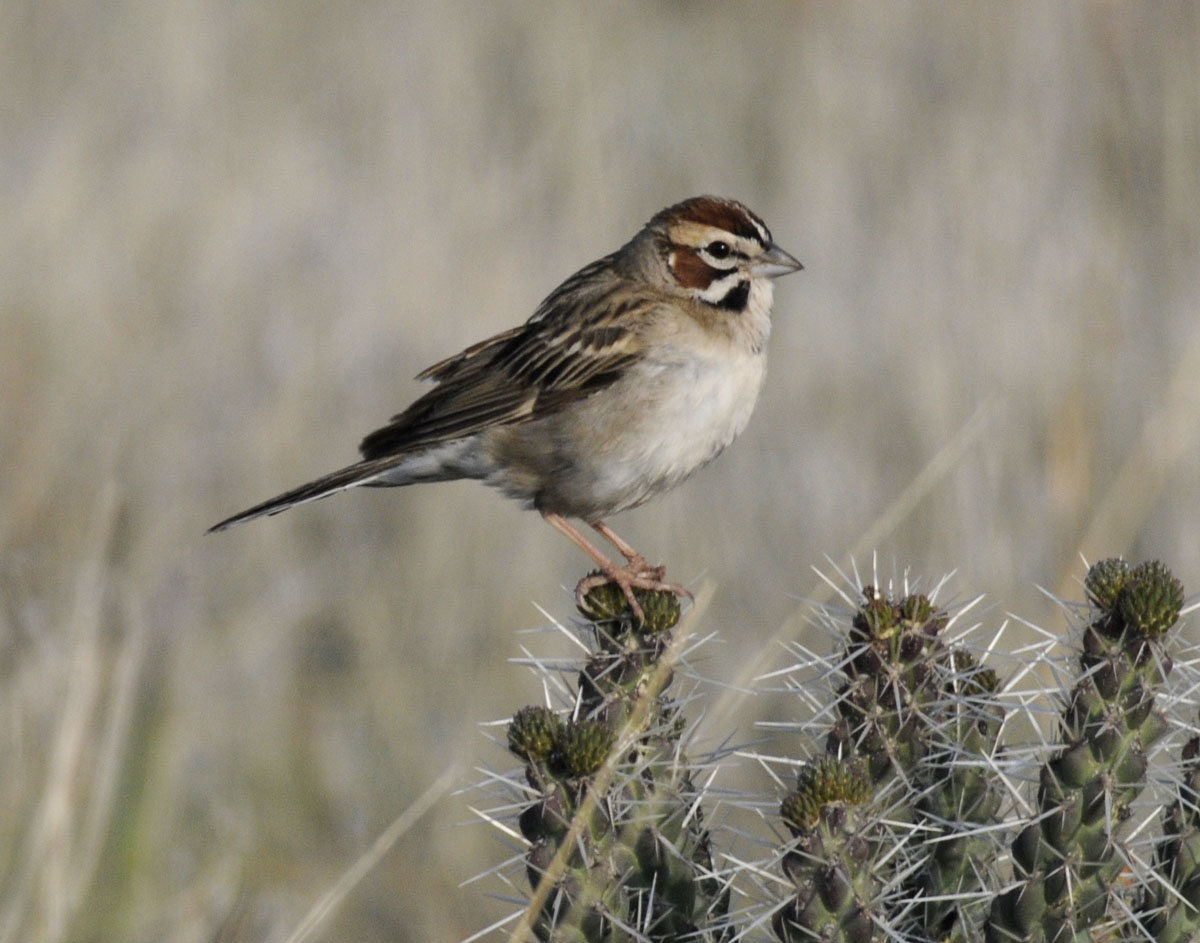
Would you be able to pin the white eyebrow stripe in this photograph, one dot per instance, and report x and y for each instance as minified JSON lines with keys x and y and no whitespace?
{"x":763,"y":234}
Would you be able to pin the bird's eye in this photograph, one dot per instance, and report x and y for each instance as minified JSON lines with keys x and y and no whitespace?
{"x":718,"y":250}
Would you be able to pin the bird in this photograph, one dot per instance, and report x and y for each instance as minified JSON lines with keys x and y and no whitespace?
{"x":632,"y":374}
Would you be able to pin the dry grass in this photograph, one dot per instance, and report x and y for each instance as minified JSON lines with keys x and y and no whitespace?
{"x":233,"y":232}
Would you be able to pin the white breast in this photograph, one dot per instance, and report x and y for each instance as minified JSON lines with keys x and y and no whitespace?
{"x":701,"y":407}
{"x":685,"y":406}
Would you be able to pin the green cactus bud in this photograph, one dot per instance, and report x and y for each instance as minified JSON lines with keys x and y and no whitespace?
{"x":1027,"y":850}
{"x":1059,"y":827}
{"x":532,"y":733}
{"x":1110,"y":675}
{"x":1104,"y":582}
{"x":1153,"y":727}
{"x":877,"y":617}
{"x":915,"y":608}
{"x":583,"y":746}
{"x":1151,"y":599}
{"x":1131,"y":767}
{"x":605,"y":602}
{"x":971,"y":679}
{"x":825,"y":782}
{"x":661,"y":610}
{"x":1020,"y":909}
{"x":548,"y":818}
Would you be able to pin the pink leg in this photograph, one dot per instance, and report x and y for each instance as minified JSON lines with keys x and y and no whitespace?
{"x":635,"y":574}
{"x":636,"y":560}
{"x":561,"y":524}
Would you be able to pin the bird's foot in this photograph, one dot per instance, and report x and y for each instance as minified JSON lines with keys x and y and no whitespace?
{"x":637,"y":574}
{"x":637,"y":565}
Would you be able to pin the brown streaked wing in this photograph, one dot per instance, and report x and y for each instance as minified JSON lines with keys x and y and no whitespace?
{"x":530,"y":371}
{"x":458,"y":408}
{"x":444,"y":369}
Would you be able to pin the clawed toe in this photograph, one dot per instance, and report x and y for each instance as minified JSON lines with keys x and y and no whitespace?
{"x":635,"y":574}
{"x":629,"y":578}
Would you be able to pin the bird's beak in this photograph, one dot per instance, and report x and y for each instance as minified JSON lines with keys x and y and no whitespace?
{"x":773,"y":263}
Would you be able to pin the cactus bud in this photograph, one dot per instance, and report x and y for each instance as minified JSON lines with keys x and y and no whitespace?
{"x":1151,"y":599}
{"x":1105,"y":580}
{"x":532,"y":732}
{"x":583,"y":746}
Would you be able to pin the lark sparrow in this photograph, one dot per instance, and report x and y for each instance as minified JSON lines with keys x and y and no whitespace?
{"x":636,"y":371}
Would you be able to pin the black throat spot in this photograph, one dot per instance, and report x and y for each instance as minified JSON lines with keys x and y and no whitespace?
{"x":735,"y":299}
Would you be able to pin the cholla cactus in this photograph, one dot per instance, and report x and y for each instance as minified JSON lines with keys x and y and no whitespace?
{"x":912,"y":818}
{"x":891,"y":660}
{"x":960,"y":802}
{"x":1169,"y":908}
{"x":1066,"y":860}
{"x":829,"y":858}
{"x":924,"y":720}
{"x":920,"y":718}
{"x":615,"y":802}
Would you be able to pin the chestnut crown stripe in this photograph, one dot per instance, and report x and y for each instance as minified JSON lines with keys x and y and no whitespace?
{"x":736,"y":220}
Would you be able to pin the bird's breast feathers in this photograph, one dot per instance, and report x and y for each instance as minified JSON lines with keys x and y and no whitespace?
{"x":694,"y":421}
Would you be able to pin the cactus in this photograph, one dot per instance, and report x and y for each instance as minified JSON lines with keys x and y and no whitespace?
{"x":1066,"y":861}
{"x":960,"y":801}
{"x":1169,"y":908}
{"x":637,"y":860}
{"x":830,"y":860}
{"x":922,"y":719}
{"x":908,"y":818}
{"x":892,"y":679}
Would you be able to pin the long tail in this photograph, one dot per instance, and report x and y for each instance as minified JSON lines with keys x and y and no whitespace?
{"x":360,"y":473}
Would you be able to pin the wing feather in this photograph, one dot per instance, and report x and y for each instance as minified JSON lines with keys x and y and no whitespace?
{"x":578,"y":341}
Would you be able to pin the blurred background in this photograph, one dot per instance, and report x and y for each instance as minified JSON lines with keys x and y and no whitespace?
{"x":233,"y":232}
